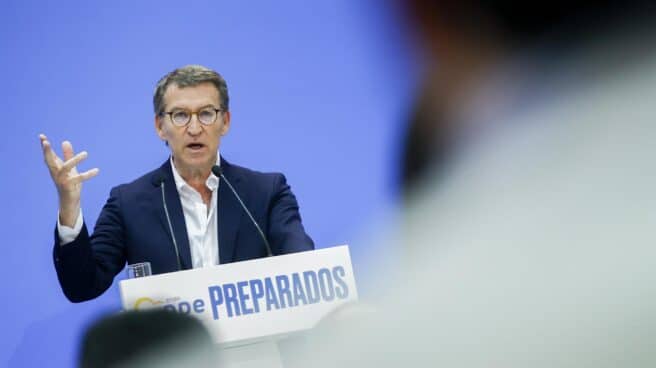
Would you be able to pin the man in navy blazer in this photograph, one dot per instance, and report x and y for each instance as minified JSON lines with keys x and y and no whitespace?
{"x":207,"y":221}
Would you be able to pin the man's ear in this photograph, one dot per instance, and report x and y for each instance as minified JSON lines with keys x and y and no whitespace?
{"x":226,"y":123}
{"x":158,"y":127}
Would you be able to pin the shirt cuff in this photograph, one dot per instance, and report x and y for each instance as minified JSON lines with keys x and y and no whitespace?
{"x":68,"y":234}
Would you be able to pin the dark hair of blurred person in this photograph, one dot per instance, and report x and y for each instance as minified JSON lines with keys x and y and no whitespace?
{"x":461,"y":41}
{"x":154,"y":338}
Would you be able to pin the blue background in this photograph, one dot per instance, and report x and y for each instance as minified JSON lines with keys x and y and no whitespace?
{"x":319,"y":92}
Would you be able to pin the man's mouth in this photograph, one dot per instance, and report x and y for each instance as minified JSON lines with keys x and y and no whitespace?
{"x":195,"y":146}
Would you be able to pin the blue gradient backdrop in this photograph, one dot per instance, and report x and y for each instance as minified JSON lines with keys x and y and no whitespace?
{"x":318,"y":91}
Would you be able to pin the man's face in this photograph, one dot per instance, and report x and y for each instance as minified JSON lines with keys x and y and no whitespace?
{"x":194,"y":145}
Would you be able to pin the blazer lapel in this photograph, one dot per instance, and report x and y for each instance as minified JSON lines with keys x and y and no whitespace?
{"x":230,"y":214}
{"x":175,"y":213}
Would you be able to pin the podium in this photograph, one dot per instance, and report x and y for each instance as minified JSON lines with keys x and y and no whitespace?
{"x":248,"y":305}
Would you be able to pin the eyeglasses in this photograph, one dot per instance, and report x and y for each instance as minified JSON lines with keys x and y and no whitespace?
{"x":182,"y":117}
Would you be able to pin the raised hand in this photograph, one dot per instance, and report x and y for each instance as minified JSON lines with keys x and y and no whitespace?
{"x":66,"y":178}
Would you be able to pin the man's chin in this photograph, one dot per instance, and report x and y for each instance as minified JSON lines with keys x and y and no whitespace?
{"x":203,"y":161}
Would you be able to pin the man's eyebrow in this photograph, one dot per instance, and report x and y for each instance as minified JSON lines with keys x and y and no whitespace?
{"x":173,"y":107}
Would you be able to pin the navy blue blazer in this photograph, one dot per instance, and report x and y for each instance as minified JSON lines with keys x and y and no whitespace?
{"x":132,"y":228}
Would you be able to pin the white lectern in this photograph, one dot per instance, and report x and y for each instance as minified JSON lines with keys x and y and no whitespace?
{"x":248,"y":305}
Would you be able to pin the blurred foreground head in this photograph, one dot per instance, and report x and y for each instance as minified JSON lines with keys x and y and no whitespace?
{"x":155,"y":338}
{"x":529,"y":169}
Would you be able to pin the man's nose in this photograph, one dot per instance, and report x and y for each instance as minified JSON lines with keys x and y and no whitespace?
{"x":194,"y":127}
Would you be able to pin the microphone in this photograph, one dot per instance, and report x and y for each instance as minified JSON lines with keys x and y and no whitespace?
{"x":160,"y":180}
{"x":216,"y":170}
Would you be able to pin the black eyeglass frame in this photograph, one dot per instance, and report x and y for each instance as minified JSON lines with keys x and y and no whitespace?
{"x":192,"y":113}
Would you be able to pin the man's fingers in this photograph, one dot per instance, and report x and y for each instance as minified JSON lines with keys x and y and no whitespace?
{"x":84,"y":176}
{"x":68,"y":165}
{"x":48,"y":154}
{"x":67,"y":150}
{"x":61,"y":170}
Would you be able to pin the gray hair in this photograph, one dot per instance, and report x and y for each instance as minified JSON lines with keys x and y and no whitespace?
{"x":189,"y":76}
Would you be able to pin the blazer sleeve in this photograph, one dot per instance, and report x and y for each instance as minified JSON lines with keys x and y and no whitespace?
{"x":86,"y":267}
{"x":285,"y":231}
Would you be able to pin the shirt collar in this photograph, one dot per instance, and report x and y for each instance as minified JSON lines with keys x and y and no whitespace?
{"x":212,"y":181}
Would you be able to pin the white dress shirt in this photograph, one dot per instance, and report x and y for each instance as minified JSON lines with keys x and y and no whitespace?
{"x":201,"y":222}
